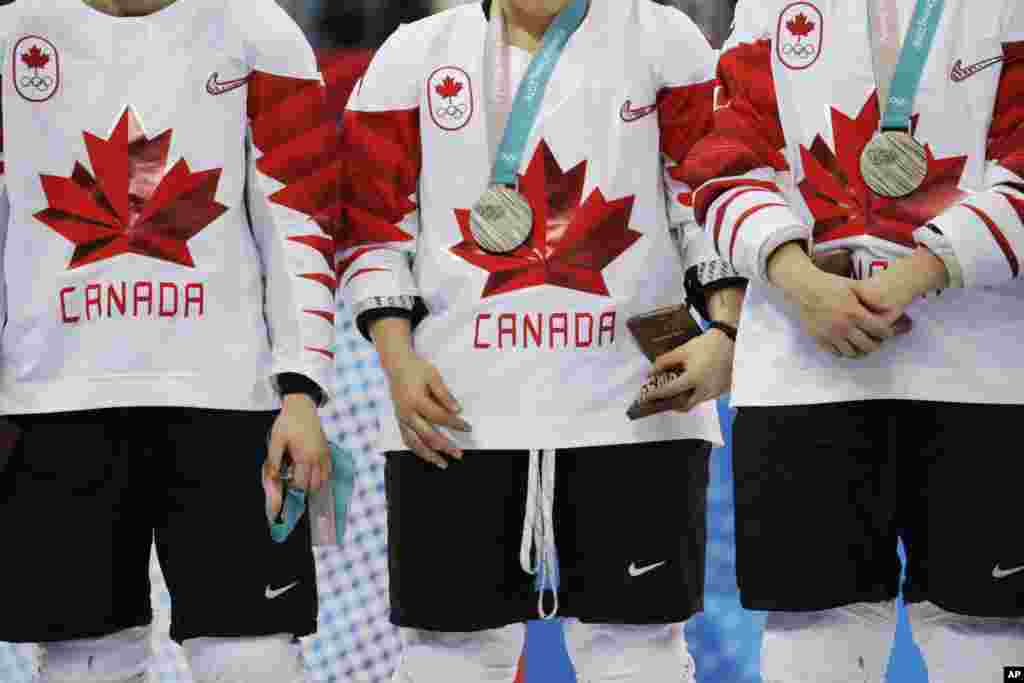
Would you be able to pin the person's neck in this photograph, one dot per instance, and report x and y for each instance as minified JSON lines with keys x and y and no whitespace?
{"x":525,"y":30}
{"x":128,"y":8}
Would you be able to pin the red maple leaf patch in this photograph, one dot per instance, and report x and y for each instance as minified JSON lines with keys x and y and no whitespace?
{"x":35,"y":58}
{"x":842,"y":203}
{"x":800,"y":27}
{"x":448,"y":88}
{"x":572,"y":242}
{"x":133,"y":205}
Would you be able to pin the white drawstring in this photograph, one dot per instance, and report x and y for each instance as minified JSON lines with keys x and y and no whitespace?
{"x":539,"y":528}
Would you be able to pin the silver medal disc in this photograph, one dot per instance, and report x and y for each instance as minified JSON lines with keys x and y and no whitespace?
{"x":501,"y":220}
{"x":894,"y":164}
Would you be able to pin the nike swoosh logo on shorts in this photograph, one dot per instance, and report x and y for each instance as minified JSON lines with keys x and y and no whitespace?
{"x":635,"y":571}
{"x":270,"y":593}
{"x":1000,"y":573}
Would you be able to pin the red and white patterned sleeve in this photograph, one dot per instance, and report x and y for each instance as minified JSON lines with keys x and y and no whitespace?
{"x":686,"y":75}
{"x":292,"y":191}
{"x":381,"y":158}
{"x":737,"y":196}
{"x":986,"y":230}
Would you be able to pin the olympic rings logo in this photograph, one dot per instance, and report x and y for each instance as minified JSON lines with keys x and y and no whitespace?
{"x":40,"y":83}
{"x":452,"y":111}
{"x":800,"y":51}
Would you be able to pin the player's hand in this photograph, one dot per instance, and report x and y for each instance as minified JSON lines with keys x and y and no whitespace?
{"x":706,"y":362}
{"x":890,"y":291}
{"x":423,"y":403}
{"x":298,"y":432}
{"x":829,"y":308}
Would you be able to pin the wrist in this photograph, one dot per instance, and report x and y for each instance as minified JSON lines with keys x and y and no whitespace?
{"x":289,"y":401}
{"x":929,"y":272}
{"x":791,"y":270}
{"x":725,"y":329}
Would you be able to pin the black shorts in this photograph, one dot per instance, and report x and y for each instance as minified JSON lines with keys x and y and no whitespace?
{"x":454,"y":536}
{"x":84,"y":495}
{"x":824,"y":492}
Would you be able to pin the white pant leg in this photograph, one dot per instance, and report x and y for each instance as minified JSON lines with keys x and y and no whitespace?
{"x":264,"y":659}
{"x":962,"y":649}
{"x":848,"y":644}
{"x":461,"y":657}
{"x":627,"y":653}
{"x":122,"y":657}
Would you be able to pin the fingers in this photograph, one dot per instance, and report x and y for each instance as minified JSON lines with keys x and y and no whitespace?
{"x":275,"y":453}
{"x":302,"y":475}
{"x":438,"y":414}
{"x":443,"y":395}
{"x":685,"y":382}
{"x":668,"y":361}
{"x":416,"y":445}
{"x":862,"y":343}
{"x":431,"y":438}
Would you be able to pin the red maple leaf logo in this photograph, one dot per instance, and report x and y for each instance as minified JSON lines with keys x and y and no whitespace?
{"x":842,"y":203}
{"x":35,"y":58}
{"x":448,"y":88}
{"x":133,"y":205}
{"x":800,"y":27}
{"x":571,"y":243}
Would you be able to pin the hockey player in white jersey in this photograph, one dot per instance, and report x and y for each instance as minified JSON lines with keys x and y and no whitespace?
{"x":573,"y":116}
{"x":167,"y":298}
{"x":876,"y":404}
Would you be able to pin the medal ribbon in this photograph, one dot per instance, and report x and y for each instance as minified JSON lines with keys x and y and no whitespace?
{"x":530,"y":95}
{"x":899,"y":81}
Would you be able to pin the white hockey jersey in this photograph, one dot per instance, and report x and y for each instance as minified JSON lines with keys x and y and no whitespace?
{"x":797,"y":105}
{"x":534,"y":343}
{"x":168,"y":185}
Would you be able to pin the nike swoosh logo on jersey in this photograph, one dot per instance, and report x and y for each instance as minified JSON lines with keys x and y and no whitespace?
{"x":218,"y":87}
{"x":629,"y":114}
{"x":1000,"y":573}
{"x":270,"y":593}
{"x":635,"y":571}
{"x":961,"y":73}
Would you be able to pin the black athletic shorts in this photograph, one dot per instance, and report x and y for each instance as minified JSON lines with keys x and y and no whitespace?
{"x":84,"y":495}
{"x":629,"y":529}
{"x":823,"y":493}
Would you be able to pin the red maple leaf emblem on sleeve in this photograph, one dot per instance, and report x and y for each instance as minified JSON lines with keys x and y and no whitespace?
{"x":845,"y":207}
{"x":131,"y":203}
{"x":800,"y":27}
{"x":572,"y":241}
{"x":448,"y":88}
{"x":35,"y":58}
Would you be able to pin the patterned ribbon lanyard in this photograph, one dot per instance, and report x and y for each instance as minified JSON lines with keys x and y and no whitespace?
{"x":517,"y":119}
{"x":900,"y":68}
{"x":894,"y":164}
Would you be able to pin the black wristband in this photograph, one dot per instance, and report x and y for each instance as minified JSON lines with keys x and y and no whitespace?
{"x":728,"y":330}
{"x":294,"y":383}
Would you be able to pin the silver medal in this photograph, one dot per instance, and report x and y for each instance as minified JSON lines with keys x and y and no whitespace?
{"x":501,"y":220}
{"x":894,"y":164}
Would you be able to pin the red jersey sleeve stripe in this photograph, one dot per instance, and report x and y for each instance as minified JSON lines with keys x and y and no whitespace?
{"x":365,"y":271}
{"x":1000,"y":239}
{"x":705,"y":196}
{"x":743,"y":219}
{"x":720,"y":213}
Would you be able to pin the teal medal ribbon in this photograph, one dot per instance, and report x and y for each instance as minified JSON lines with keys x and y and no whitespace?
{"x":502,"y":219}
{"x":894,"y":164}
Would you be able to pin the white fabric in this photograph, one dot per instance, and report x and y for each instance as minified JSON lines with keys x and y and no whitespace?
{"x":624,"y":653}
{"x":963,"y":347}
{"x":539,"y":528}
{"x":266,"y":659}
{"x":520,"y":394}
{"x":959,"y":648}
{"x":848,"y":644}
{"x":122,"y":657}
{"x":71,"y":341}
{"x":490,"y":656}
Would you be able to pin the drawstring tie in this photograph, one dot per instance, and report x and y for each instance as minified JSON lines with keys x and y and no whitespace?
{"x":537,"y":554}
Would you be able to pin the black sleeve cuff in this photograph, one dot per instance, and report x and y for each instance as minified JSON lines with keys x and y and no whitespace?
{"x":294,"y":383}
{"x":365,"y":319}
